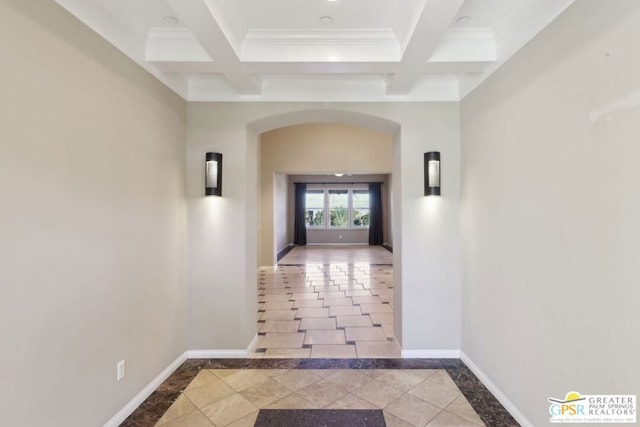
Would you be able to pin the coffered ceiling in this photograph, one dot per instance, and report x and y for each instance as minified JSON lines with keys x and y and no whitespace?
{"x":318,"y":50}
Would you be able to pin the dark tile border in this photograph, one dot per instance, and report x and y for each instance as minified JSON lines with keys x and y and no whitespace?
{"x":285,"y":251}
{"x":491,"y":412}
{"x":320,"y":417}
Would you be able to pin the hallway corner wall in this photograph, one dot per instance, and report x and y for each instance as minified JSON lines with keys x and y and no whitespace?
{"x":550,"y":212}
{"x":93,"y":221}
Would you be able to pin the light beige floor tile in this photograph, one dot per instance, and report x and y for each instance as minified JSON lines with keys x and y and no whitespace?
{"x":438,"y":395}
{"x":365,"y":334}
{"x":413,"y":410}
{"x":204,"y":377}
{"x":181,"y":407}
{"x":441,"y":378}
{"x":424,"y":373}
{"x":322,"y":351}
{"x":278,"y":315}
{"x":367,"y":300}
{"x":447,"y":419}
{"x":287,"y":353}
{"x":350,"y":379}
{"x":462,"y":408}
{"x":209,"y":393}
{"x":350,"y":402}
{"x":194,"y":419}
{"x":402,"y":379}
{"x":388,"y":330}
{"x":282,"y":340}
{"x":344,"y":311}
{"x":228,"y":410}
{"x":393,"y":421}
{"x":265,"y":393}
{"x":305,"y":295}
{"x":245,"y":378}
{"x":330,"y":302}
{"x":344,"y":321}
{"x":308,"y":303}
{"x":277,"y":305}
{"x":329,"y":295}
{"x":358,"y":293}
{"x":246,"y":421}
{"x":277,"y":297}
{"x":297,"y":379}
{"x":378,"y":393}
{"x":377,"y":349}
{"x":324,"y":337}
{"x":273,"y":372}
{"x":293,"y":401}
{"x":381,"y":318}
{"x":222,"y":373}
{"x":375,"y":308}
{"x":322,"y":393}
{"x":280,"y":326}
{"x":312,"y":312}
{"x":317,"y":323}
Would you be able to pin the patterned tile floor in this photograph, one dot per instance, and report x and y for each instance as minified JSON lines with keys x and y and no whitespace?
{"x":233,"y":397}
{"x":328,"y":302}
{"x":326,"y":342}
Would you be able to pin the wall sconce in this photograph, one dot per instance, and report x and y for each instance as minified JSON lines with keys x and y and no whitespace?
{"x":213,"y":174}
{"x":432,"y":173}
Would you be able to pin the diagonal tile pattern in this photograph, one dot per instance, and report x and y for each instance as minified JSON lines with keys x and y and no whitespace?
{"x":323,"y":309}
{"x":408,"y":397}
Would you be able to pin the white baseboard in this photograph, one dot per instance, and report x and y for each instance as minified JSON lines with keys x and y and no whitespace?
{"x":225,"y":354}
{"x":509,"y":406}
{"x":155,"y":383}
{"x":430,"y":354}
{"x":146,"y":392}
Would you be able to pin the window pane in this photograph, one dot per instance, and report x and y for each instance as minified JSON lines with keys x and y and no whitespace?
{"x":361,"y":217}
{"x":314,"y":199}
{"x":315,"y":218}
{"x":339,"y":208}
{"x":360,"y":199}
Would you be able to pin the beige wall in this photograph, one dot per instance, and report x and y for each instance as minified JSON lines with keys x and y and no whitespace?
{"x":223,"y":232}
{"x":315,"y":148}
{"x":92,"y":222}
{"x":550,"y":218}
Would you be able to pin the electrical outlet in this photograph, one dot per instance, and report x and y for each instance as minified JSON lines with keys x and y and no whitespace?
{"x":340,"y":237}
{"x":120,"y":370}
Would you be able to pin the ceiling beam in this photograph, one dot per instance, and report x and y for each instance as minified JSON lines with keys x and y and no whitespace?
{"x":435,"y":20}
{"x":198,"y":17}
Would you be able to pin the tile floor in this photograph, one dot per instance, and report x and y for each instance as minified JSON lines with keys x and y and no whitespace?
{"x":408,"y":397}
{"x":328,"y":302}
{"x":326,"y":342}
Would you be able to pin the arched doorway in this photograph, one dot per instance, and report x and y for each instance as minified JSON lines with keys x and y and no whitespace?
{"x":321,"y":121}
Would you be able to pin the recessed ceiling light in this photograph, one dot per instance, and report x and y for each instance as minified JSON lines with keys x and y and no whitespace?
{"x":338,"y":174}
{"x":463,"y":20}
{"x":326,"y":19}
{"x":171,"y":20}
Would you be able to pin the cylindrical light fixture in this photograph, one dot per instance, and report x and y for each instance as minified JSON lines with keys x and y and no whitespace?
{"x":213,"y":174}
{"x":432,"y":173}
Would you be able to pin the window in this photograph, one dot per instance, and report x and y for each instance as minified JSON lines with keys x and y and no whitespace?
{"x":337,"y":208}
{"x":360,"y":208}
{"x":314,"y":205}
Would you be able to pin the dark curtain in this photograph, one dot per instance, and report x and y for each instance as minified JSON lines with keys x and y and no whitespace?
{"x":375,"y":214}
{"x":299,"y":224}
